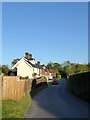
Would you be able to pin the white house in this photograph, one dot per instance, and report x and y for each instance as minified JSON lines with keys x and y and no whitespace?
{"x":27,"y":66}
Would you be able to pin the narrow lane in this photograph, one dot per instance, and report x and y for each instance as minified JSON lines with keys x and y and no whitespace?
{"x":57,"y":102}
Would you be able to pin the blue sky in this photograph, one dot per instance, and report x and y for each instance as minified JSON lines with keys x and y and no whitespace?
{"x":50,"y":31}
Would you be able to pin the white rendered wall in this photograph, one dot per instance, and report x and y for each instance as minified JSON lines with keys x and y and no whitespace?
{"x":24,"y":70}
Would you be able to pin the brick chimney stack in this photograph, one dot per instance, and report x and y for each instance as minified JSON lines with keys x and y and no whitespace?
{"x":30,"y":56}
{"x":38,"y":62}
{"x":26,"y":55}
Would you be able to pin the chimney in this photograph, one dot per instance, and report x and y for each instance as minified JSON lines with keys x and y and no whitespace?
{"x":26,"y":55}
{"x":38,"y":62}
{"x":30,"y":56}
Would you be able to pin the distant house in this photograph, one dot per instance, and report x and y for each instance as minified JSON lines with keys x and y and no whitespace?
{"x":53,"y":73}
{"x":27,"y":66}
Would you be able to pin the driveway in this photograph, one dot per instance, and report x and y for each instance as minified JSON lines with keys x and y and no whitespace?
{"x":57,"y":102}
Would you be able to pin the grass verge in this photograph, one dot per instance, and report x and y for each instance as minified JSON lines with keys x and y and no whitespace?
{"x":16,"y":109}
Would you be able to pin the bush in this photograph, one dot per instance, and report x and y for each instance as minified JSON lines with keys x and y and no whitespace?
{"x":24,"y":77}
{"x":34,"y":74}
{"x":59,"y":77}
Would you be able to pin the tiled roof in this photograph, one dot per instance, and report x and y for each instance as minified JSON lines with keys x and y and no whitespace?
{"x":34,"y":65}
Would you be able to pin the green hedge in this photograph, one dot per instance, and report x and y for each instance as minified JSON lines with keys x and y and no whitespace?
{"x":79,"y":85}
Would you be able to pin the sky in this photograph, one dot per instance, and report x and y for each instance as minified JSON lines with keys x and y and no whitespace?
{"x":0,"y":32}
{"x":45,"y":0}
{"x":54,"y":32}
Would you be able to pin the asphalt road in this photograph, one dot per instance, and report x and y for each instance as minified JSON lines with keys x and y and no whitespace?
{"x":57,"y":102}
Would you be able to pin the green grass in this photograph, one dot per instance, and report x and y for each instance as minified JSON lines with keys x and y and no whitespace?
{"x":0,"y":109}
{"x":15,"y":109}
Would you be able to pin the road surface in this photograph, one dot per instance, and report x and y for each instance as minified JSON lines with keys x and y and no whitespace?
{"x":57,"y":102}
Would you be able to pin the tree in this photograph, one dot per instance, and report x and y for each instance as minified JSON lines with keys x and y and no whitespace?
{"x":50,"y":65}
{"x":68,"y":68}
{"x":5,"y":69}
{"x":55,"y":68}
{"x":15,"y":61}
{"x":88,"y":67}
{"x":66,"y":63}
{"x":58,"y":76}
{"x":63,"y":73}
{"x":0,"y":69}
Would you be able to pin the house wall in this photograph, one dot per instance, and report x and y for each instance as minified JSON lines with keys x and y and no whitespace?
{"x":42,"y":72}
{"x":50,"y":76}
{"x":36,"y":70}
{"x":24,"y":70}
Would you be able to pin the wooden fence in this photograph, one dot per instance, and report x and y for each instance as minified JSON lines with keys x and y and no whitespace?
{"x":14,"y":88}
